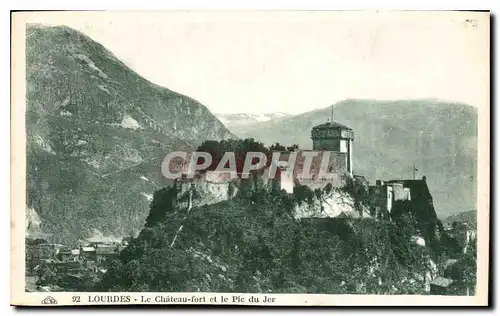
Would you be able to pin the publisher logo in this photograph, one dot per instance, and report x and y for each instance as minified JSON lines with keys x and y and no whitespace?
{"x":49,"y":300}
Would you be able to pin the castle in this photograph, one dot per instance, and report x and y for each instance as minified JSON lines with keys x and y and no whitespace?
{"x":333,"y":139}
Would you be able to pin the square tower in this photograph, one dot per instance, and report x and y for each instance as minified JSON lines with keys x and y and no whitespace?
{"x":333,"y":136}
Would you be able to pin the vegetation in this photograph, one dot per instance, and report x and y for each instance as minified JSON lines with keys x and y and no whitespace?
{"x":253,"y":244}
{"x":240,"y":147}
{"x":464,"y":273}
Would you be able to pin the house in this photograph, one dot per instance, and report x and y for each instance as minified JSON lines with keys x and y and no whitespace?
{"x":441,"y":286}
{"x":67,"y":254}
{"x":88,"y":253}
{"x":103,"y":252}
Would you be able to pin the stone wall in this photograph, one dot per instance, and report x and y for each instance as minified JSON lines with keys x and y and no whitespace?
{"x":206,"y":188}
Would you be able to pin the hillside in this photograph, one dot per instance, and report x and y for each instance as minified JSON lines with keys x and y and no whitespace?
{"x":439,"y":138}
{"x":97,"y":133}
{"x":252,"y":244}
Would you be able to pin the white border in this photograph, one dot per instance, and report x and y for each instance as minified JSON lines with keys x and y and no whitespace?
{"x":257,"y":4}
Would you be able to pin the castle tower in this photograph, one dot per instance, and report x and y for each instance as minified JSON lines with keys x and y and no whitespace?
{"x":332,"y":136}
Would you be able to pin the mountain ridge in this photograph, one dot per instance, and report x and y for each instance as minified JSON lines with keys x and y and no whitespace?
{"x":239,"y":122}
{"x":439,"y":138}
{"x":97,"y":133}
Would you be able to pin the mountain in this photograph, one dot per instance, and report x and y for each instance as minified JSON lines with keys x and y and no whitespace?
{"x":241,"y":122}
{"x":439,"y":138}
{"x":97,"y":133}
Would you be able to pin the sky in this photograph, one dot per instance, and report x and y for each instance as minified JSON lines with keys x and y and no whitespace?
{"x":264,"y":62}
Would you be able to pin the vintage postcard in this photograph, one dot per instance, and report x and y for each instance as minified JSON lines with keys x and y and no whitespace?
{"x":265,"y":158}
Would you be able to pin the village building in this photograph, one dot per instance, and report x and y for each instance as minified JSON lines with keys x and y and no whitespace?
{"x":69,"y":254}
{"x":52,"y":267}
{"x":88,"y":253}
{"x":441,"y":286}
{"x":104,"y":252}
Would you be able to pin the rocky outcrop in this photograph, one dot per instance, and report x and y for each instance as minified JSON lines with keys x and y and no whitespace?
{"x":33,"y":225}
{"x":330,"y":205}
{"x":210,"y":187}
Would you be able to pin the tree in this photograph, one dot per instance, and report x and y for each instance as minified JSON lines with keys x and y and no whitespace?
{"x":164,"y":201}
{"x":293,"y":147}
{"x":254,"y":243}
{"x":239,"y":147}
{"x":277,"y":147}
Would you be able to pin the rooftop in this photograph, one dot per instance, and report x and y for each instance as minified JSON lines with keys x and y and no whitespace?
{"x":105,"y":250}
{"x":407,"y":181}
{"x":328,"y":125}
{"x":443,"y":282}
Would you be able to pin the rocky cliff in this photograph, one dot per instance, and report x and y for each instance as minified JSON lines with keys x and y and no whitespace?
{"x":209,"y":188}
{"x":336,"y":203}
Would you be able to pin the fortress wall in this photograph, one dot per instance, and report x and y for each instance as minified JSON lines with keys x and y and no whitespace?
{"x":208,"y":188}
